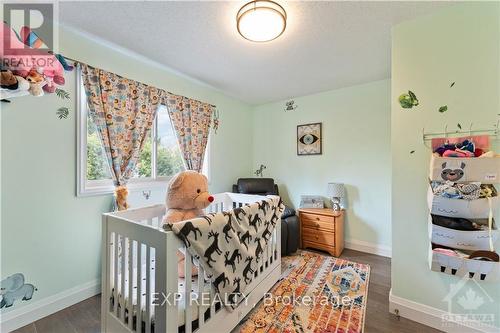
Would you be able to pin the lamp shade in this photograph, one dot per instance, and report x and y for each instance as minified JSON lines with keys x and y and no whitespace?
{"x":336,"y":190}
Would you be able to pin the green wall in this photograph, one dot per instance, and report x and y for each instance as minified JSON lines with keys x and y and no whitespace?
{"x":48,"y":233}
{"x":356,"y":151}
{"x":53,"y":237}
{"x":459,"y":44}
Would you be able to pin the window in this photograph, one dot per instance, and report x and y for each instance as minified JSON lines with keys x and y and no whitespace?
{"x":160,"y":158}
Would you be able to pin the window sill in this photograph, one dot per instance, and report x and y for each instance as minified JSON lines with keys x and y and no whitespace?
{"x":106,"y":188}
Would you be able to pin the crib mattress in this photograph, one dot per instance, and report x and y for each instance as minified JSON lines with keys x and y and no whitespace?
{"x":181,"y":304}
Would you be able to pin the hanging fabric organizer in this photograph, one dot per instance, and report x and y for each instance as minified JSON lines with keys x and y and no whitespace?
{"x":462,"y":204}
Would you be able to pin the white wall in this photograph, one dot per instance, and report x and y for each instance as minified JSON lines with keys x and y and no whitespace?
{"x":356,"y":151}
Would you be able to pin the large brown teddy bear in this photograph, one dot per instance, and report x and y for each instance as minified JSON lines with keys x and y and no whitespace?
{"x":187,"y":196}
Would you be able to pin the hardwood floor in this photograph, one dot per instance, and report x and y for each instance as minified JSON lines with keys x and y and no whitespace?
{"x":378,"y":319}
{"x":84,"y":317}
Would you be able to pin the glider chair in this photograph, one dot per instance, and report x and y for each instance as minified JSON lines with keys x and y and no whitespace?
{"x":289,"y":221}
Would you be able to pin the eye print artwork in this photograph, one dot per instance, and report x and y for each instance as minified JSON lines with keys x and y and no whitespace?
{"x":309,"y":139}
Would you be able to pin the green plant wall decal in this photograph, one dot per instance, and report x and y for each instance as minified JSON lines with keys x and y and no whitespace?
{"x":61,"y":93}
{"x":408,"y":100}
{"x":63,"y":112}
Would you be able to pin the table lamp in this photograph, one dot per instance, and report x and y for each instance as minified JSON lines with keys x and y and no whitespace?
{"x":336,"y":191}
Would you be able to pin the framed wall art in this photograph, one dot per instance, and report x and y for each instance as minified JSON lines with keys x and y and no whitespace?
{"x":309,"y":139}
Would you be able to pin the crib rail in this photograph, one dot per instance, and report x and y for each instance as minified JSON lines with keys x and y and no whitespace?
{"x":141,"y":291}
{"x":227,"y":201}
{"x":134,"y":270}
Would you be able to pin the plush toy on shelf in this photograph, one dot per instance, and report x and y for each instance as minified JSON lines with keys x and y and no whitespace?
{"x":8,"y":80}
{"x":12,"y":85}
{"x":187,"y":196}
{"x":35,"y":80}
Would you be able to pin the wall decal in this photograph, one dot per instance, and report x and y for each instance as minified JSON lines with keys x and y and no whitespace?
{"x":260,"y":170}
{"x":443,"y":108}
{"x":408,"y":100}
{"x":146,"y":194}
{"x":216,"y":121}
{"x":13,"y":288}
{"x":289,"y":106}
{"x":309,"y":141}
{"x":62,"y":112}
{"x":61,"y":93}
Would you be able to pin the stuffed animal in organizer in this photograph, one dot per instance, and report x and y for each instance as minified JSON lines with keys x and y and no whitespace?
{"x":187,"y":196}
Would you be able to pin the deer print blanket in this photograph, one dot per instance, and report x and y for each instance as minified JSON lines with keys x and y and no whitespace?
{"x":229,"y":245}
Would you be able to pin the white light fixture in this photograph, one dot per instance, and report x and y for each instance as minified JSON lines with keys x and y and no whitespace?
{"x":261,"y":20}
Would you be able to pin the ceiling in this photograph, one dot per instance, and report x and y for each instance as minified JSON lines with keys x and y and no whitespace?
{"x":327,"y":45}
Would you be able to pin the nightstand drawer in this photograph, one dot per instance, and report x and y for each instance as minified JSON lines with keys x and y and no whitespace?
{"x":318,"y":224}
{"x":317,"y":218}
{"x":320,"y":237}
{"x":318,"y":246}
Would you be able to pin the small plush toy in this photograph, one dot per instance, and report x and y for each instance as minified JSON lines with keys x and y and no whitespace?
{"x":121,"y":194}
{"x":8,"y":80}
{"x":23,"y":85}
{"x":49,"y":87}
{"x":36,"y":82}
{"x":187,"y":196}
{"x":22,"y":89}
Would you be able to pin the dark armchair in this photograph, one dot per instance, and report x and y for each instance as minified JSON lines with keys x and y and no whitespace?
{"x":289,"y":221}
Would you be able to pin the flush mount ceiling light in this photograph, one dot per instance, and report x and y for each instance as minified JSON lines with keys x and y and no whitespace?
{"x":261,"y":20}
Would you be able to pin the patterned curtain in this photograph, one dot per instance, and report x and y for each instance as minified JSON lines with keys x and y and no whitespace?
{"x":191,"y":120}
{"x":123,"y":111}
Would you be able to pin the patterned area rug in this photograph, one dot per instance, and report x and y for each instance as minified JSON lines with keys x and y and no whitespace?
{"x":317,"y":294}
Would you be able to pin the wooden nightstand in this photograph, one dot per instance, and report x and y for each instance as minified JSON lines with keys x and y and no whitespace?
{"x":323,"y":229}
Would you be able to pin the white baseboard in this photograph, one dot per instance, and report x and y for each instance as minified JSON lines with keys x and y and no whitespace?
{"x":381,"y":250}
{"x":431,"y":316}
{"x":31,"y":312}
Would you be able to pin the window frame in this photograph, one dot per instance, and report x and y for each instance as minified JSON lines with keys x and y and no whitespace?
{"x":85,"y":188}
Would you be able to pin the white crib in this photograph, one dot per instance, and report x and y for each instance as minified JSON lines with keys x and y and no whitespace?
{"x":137,"y":249}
